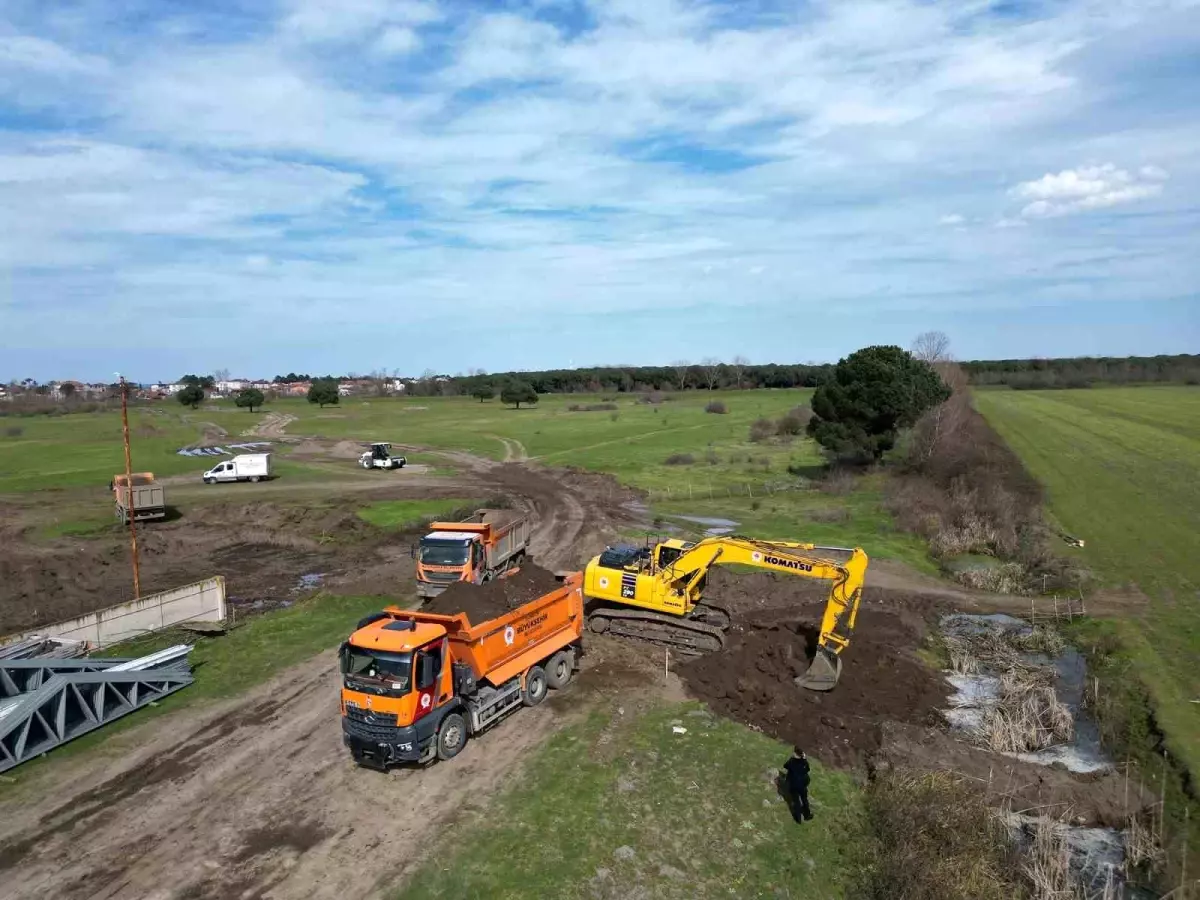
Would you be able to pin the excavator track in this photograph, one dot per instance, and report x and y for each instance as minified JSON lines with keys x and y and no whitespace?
{"x":686,"y":635}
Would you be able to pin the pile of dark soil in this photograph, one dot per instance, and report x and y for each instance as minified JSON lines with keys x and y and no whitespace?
{"x":751,"y":680}
{"x":486,"y":601}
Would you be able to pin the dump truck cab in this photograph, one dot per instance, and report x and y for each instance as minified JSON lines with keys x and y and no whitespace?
{"x":450,"y":556}
{"x":488,"y":544}
{"x":396,"y":680}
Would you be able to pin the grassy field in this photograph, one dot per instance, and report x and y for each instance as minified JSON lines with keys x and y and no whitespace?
{"x":85,"y":449}
{"x":401,"y":514}
{"x":729,"y":476}
{"x":1122,"y":470}
{"x":620,"y":808}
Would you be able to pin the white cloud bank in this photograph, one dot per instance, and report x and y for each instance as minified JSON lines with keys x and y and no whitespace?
{"x":1087,"y":188}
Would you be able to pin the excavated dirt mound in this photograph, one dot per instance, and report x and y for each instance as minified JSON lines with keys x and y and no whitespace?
{"x":751,"y":680}
{"x":486,"y":601}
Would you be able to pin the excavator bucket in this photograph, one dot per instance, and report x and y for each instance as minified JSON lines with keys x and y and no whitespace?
{"x":824,"y":672}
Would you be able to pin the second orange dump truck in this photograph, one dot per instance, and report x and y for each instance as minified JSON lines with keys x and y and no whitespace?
{"x":488,"y":545}
{"x":416,"y":686}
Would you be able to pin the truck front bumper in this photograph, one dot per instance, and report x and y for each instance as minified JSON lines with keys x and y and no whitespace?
{"x":427,"y":590}
{"x":380,"y":746}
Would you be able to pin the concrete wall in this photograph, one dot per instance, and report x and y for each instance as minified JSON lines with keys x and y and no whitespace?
{"x":203,"y":601}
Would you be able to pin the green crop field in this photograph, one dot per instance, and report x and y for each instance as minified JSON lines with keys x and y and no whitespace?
{"x":1122,"y":470}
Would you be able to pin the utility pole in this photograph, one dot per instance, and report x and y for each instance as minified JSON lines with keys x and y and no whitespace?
{"x":137,"y":581}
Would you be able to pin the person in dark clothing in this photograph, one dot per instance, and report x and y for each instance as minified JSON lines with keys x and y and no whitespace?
{"x":796,"y":770}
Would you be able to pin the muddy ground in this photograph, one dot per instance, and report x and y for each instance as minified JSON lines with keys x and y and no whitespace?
{"x":884,"y":711}
{"x":265,"y":538}
{"x":256,"y":796}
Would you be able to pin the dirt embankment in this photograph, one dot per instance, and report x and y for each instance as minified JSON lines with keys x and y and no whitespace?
{"x":770,"y":643}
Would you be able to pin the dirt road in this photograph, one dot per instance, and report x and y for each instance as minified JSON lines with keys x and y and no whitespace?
{"x":257,"y":797}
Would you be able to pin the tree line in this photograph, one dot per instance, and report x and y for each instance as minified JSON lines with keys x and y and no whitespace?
{"x":1019,"y":374}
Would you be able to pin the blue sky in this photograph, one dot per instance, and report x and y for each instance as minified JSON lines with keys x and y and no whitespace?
{"x":349,"y":185}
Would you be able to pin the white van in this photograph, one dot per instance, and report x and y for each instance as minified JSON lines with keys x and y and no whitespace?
{"x":246,"y":467}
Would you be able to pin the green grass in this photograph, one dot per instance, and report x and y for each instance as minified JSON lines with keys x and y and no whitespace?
{"x":699,"y":811}
{"x":86,"y":449}
{"x":856,"y":519}
{"x":230,"y":664}
{"x":1122,"y":470}
{"x":401,"y":514}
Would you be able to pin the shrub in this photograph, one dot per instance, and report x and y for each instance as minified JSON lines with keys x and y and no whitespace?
{"x":761,"y":430}
{"x":1006,"y":578}
{"x":680,"y":459}
{"x":836,"y":481}
{"x":591,"y":407}
{"x":932,"y":837}
{"x":710,"y":457}
{"x":795,"y":421}
{"x":716,"y":407}
{"x":654,"y":397}
{"x":14,"y":431}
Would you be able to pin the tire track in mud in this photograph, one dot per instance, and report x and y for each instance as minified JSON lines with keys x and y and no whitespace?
{"x":257,"y":796}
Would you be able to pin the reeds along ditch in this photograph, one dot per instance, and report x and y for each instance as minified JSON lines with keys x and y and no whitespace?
{"x":1028,"y":714}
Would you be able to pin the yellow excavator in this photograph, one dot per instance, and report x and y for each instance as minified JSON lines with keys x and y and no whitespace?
{"x":655,"y":593}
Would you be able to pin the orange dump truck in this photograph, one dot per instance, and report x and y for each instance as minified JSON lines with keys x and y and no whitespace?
{"x":416,"y":686}
{"x":487,"y":545}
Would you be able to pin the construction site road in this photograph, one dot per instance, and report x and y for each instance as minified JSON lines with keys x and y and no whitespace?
{"x":256,"y":796}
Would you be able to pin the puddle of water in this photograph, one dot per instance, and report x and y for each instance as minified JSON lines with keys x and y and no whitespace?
{"x":309,"y":582}
{"x":715,"y":526}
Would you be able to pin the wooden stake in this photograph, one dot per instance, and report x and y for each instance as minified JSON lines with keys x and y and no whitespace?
{"x":130,"y":506}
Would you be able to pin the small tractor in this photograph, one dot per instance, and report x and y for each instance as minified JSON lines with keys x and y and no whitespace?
{"x":380,"y":457}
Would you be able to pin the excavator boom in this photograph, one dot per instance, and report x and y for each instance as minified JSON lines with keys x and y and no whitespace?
{"x":657,"y":593}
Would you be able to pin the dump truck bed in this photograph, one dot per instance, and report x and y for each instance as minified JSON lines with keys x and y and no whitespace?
{"x":498,"y":648}
{"x":504,"y":533}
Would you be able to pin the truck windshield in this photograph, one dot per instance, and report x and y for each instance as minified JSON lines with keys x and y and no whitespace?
{"x":444,"y":553}
{"x":392,"y":667}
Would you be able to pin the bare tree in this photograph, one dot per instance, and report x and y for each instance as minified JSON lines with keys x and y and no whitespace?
{"x":936,"y":434}
{"x":681,"y":367}
{"x":932,"y":347}
{"x":739,"y":366}
{"x":711,"y":367}
{"x":379,"y":383}
{"x":221,"y":375}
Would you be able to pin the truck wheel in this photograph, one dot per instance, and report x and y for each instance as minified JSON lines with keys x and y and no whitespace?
{"x":254,"y":479}
{"x":559,"y":670}
{"x":210,"y":481}
{"x":535,"y":686}
{"x":452,"y":736}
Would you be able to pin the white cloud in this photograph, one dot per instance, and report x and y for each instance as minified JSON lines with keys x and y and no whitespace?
{"x":1087,"y":188}
{"x":45,"y":57}
{"x":606,"y":166}
{"x":342,"y":20}
{"x":396,"y":41}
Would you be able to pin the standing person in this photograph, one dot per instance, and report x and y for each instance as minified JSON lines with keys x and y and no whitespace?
{"x":797,"y":785}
